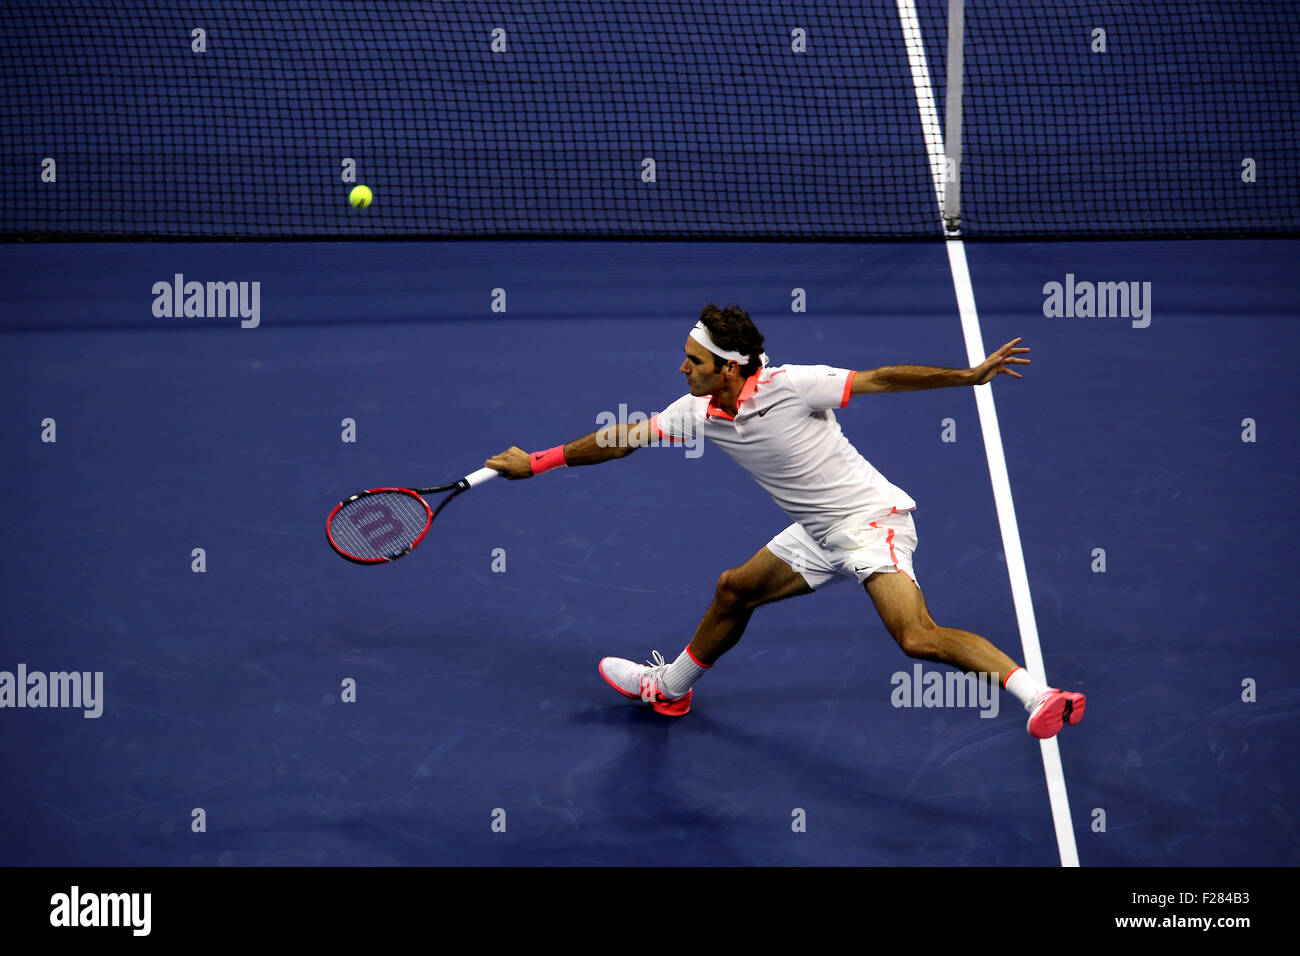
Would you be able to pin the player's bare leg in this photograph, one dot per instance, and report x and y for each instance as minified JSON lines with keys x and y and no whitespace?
{"x":902,"y":607}
{"x":762,"y":579}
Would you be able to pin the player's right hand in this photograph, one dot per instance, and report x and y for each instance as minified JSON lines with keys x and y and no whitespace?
{"x":513,"y":463}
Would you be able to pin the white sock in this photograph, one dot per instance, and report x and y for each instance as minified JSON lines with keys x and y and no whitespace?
{"x":1024,"y":686}
{"x":681,"y":674}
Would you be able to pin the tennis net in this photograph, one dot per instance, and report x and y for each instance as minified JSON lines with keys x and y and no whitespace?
{"x":651,"y":119}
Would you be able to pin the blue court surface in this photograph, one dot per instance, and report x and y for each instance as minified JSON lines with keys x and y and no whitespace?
{"x":477,"y":700}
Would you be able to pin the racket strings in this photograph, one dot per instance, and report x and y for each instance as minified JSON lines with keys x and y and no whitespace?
{"x":380,"y":525}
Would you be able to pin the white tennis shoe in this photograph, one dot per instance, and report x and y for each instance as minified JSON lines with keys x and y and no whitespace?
{"x":644,"y":681}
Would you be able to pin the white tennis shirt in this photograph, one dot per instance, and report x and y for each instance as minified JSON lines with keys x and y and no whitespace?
{"x":786,"y":436}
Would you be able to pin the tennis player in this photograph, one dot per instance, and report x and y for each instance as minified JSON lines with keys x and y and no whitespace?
{"x":849,"y":522}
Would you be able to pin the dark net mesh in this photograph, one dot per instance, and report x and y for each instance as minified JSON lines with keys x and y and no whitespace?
{"x":652,"y":118}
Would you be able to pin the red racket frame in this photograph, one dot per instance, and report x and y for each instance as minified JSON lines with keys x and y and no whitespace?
{"x":430,"y":514}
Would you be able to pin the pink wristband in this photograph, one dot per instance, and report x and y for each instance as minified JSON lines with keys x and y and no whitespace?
{"x":546,"y":460}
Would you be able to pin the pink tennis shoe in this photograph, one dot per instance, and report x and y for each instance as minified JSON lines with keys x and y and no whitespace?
{"x":1053,"y":710}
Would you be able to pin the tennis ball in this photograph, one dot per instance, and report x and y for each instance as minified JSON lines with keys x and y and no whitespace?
{"x":360,"y":196}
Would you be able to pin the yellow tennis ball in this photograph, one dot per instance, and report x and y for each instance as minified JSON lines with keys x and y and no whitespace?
{"x":360,"y":196}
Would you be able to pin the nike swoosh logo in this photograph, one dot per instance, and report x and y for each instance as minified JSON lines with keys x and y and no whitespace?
{"x":860,"y":567}
{"x":764,"y":411}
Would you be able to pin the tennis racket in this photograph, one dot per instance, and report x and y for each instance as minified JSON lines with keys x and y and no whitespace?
{"x":383,"y":524}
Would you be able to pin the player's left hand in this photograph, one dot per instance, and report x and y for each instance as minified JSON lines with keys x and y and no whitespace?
{"x":996,"y":364}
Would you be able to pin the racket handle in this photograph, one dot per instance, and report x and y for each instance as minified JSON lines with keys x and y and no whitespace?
{"x":478,"y":477}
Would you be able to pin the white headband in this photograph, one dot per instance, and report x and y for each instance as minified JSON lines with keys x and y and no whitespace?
{"x":701,"y":335}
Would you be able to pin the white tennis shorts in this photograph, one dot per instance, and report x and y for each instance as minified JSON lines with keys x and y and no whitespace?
{"x":854,"y":548}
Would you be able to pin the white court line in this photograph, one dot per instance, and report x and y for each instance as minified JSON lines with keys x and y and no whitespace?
{"x":988,"y":417}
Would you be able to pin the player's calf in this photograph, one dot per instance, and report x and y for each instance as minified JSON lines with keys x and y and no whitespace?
{"x":1049,"y":708}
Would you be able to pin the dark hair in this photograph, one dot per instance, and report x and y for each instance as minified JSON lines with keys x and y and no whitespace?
{"x":732,"y":329}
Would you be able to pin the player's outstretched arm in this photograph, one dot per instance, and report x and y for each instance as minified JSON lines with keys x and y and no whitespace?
{"x":910,"y":378}
{"x":615,"y":441}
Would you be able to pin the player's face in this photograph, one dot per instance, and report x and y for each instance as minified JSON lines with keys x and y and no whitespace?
{"x":701,"y":378}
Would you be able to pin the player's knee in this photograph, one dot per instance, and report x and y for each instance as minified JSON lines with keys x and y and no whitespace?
{"x":730,"y":594}
{"x":917,"y":639}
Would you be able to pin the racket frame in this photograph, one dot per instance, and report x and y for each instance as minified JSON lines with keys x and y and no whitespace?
{"x":456,"y":488}
{"x":428,"y":523}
